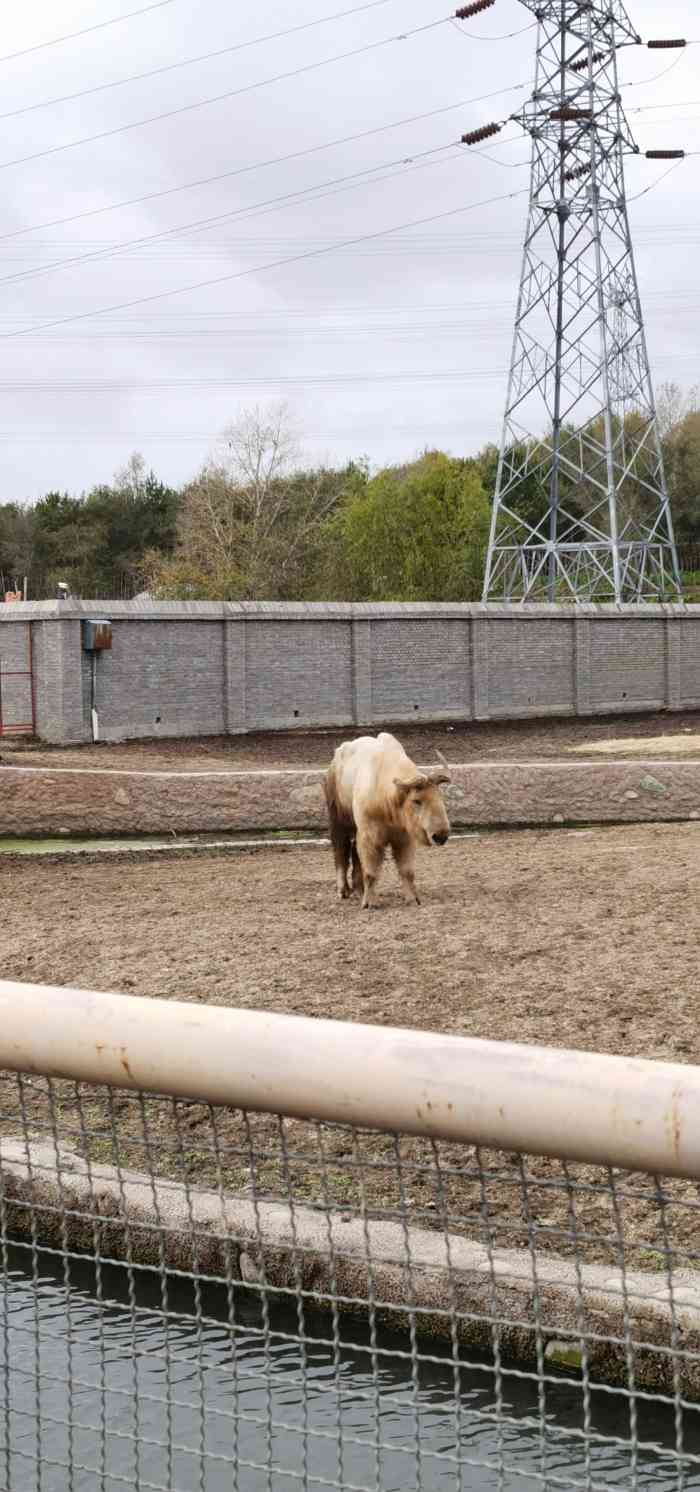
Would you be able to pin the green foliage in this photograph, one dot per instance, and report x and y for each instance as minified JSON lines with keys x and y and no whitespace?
{"x":530,"y":498}
{"x":136,"y":515}
{"x":412,"y":533}
{"x":251,"y":543}
{"x":97,"y":543}
{"x":682,"y":459}
{"x":259,"y":523}
{"x":16,"y":544}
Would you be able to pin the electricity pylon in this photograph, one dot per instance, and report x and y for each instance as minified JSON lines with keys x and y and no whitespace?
{"x":581,"y":510}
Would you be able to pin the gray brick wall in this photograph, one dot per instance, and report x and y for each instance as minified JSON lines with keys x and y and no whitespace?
{"x":531,"y":666}
{"x":628,"y":663}
{"x":188,"y":669}
{"x":15,"y":682}
{"x":161,"y":678}
{"x":298,"y":673}
{"x":420,"y":668}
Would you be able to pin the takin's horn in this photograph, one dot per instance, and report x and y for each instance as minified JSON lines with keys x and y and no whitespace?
{"x":436,"y":775}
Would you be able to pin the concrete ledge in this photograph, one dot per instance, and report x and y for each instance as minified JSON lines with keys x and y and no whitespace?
{"x":36,"y":801}
{"x":51,"y":1195}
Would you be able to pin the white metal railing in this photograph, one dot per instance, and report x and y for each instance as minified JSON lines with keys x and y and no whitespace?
{"x":249,"y":1251}
{"x":575,"y":1105}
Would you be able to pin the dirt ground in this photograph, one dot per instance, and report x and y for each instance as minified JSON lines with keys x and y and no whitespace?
{"x":581,"y":939}
{"x":528,"y":740}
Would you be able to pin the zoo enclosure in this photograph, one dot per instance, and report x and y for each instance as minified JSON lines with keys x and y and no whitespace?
{"x":256,"y":1251}
{"x":215,"y":668}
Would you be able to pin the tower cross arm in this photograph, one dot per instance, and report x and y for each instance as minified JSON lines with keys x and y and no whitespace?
{"x":571,"y":13}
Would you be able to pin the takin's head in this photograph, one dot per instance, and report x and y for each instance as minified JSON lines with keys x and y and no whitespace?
{"x":422,"y":807}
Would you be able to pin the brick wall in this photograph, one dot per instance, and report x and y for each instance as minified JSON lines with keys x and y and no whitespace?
{"x":206,"y":668}
{"x":15,"y":680}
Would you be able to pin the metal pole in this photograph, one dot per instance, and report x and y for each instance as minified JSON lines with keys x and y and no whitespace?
{"x":603,"y":326}
{"x":603,"y":1110}
{"x":488,"y":569}
{"x":563,"y":216}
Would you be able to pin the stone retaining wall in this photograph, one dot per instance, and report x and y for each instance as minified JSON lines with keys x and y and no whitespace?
{"x":36,"y":801}
{"x":50,"y":1194}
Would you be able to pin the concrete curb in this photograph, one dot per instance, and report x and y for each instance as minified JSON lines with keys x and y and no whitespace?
{"x":51,"y":1194}
{"x":36,"y":801}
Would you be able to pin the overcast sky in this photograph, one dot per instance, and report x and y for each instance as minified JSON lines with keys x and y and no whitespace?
{"x":380,"y":348}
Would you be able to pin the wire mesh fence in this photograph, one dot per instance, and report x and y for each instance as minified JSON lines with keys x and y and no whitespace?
{"x":197,"y":1298}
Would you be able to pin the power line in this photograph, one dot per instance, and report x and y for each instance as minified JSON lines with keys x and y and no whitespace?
{"x":642,"y":82}
{"x":170,"y":67}
{"x":185,"y":246}
{"x":279,"y":381}
{"x":178,"y":436}
{"x":686,"y":297}
{"x":297,"y":380}
{"x":506,"y":35}
{"x":367,"y":177}
{"x":656,"y":183}
{"x":296,"y":72}
{"x":258,"y":209}
{"x":262,"y":268}
{"x":415,"y":246}
{"x":72,"y":35}
{"x":258,"y":269}
{"x":686,"y":103}
{"x":279,"y":160}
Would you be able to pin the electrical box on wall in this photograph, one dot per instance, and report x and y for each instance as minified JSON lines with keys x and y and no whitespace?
{"x":97,"y":636}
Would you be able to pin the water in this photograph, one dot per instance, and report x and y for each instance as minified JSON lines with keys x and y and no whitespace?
{"x":131,"y":1398}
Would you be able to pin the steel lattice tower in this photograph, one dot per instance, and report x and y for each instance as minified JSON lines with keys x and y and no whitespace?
{"x":581,"y":509}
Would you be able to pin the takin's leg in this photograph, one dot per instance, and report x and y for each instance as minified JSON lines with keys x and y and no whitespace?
{"x":341,"y":834}
{"x":370,"y":853}
{"x":358,"y":880}
{"x":342,"y":857}
{"x":404,"y":852}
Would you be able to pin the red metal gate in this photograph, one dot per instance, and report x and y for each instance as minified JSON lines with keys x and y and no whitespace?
{"x":17,"y":709}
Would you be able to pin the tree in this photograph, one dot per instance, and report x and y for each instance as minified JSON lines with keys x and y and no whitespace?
{"x":682,"y":459}
{"x":249,"y":523}
{"x":529,"y":497}
{"x":97,"y":542}
{"x":412,"y":533}
{"x":135,"y":515}
{"x":66,"y":539}
{"x":16,"y":544}
{"x":672,"y":405}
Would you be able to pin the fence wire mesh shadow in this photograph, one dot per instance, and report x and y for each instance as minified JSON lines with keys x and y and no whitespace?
{"x":198,"y":1298}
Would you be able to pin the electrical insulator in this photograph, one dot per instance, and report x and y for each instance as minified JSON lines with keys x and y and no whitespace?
{"x":576,"y":173}
{"x":571,"y":114}
{"x":665,"y":155}
{"x":472,"y":10}
{"x":579,"y":67}
{"x":660,"y":46}
{"x":473,"y":137}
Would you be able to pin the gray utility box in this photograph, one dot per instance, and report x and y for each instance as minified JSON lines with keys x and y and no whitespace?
{"x":97,"y":636}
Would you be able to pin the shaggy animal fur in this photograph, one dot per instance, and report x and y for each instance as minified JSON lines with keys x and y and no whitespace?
{"x":378,"y":799}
